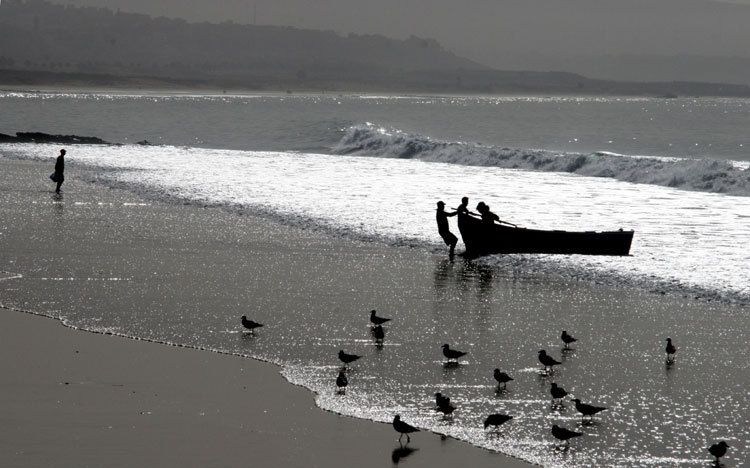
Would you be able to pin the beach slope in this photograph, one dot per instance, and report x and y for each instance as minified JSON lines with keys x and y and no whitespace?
{"x":72,"y":398}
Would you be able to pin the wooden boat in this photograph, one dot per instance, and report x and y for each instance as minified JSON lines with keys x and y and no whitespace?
{"x":484,"y":239}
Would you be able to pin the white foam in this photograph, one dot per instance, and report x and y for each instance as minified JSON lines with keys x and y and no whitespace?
{"x":707,"y":175}
{"x":686,"y":241}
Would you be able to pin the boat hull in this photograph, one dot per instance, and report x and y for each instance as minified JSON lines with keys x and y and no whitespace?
{"x":486,"y":239}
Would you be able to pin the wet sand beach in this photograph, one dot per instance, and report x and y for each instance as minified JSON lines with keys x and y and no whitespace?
{"x":111,"y":261}
{"x":77,"y":399}
{"x":72,"y":398}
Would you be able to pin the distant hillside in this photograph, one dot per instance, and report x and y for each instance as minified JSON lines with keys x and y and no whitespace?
{"x":44,"y":44}
{"x":36,"y":35}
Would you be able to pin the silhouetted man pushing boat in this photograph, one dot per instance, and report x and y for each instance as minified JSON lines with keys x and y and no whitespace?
{"x":464,"y":206}
{"x":443,"y":229}
{"x":487,"y":215}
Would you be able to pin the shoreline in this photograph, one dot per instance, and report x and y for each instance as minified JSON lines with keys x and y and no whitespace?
{"x":165,"y":89}
{"x":80,"y":352}
{"x":107,"y":259}
{"x":218,"y":412}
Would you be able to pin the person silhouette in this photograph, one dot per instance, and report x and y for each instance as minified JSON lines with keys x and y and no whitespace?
{"x":442,"y":221}
{"x":464,"y":206}
{"x":487,"y":215}
{"x":59,"y":174}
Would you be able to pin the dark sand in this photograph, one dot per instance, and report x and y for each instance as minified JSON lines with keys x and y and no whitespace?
{"x":81,"y":399}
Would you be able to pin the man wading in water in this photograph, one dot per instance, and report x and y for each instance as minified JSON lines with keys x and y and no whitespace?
{"x":443,"y":229}
{"x":59,"y":175}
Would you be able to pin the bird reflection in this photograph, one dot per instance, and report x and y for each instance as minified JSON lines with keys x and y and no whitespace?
{"x":669,"y":367}
{"x":401,"y":452}
{"x":378,"y":334}
{"x":501,"y":391}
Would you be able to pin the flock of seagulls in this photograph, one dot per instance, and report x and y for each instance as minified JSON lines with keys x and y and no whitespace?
{"x":443,"y":402}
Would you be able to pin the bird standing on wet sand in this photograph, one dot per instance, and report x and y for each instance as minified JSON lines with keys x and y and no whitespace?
{"x":561,"y":433}
{"x":342,"y":382}
{"x":547,"y":361}
{"x":377,"y":320}
{"x":496,"y":420}
{"x":558,"y":393}
{"x":440,"y":400}
{"x":403,"y":428}
{"x":250,"y":325}
{"x":443,"y":404}
{"x":718,"y":450}
{"x":347,"y":358}
{"x":567,"y":339}
{"x":587,"y":410}
{"x":502,"y":378}
{"x":452,"y":354}
{"x":446,"y":407}
{"x":671,"y":350}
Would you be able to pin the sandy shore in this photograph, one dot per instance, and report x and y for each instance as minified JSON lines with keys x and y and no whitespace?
{"x":81,"y":399}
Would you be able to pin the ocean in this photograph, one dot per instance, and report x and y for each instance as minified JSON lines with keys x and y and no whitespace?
{"x":371,"y":168}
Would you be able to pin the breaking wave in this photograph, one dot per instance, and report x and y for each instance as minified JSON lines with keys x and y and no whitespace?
{"x":705,"y":175}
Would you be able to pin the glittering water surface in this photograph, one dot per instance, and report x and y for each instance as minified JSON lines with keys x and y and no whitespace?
{"x":685,"y":127}
{"x":501,"y":310}
{"x":393,"y":200}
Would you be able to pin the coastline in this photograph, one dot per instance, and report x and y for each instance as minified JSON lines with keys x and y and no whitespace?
{"x":83,"y":399}
{"x":52,"y":82}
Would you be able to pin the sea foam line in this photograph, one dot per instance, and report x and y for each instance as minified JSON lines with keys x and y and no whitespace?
{"x":705,"y":175}
{"x":374,"y":213}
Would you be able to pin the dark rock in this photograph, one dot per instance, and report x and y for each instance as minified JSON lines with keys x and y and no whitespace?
{"x":39,"y":137}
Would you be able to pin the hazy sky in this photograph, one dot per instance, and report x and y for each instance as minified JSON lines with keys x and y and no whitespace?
{"x":509,"y":34}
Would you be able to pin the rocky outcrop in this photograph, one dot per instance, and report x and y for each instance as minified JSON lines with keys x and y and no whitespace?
{"x":38,"y":137}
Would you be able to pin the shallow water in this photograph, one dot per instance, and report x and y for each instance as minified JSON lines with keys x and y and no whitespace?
{"x":686,"y":242}
{"x":195,"y":272}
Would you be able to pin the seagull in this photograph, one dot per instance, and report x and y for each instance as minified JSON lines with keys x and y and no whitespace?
{"x":403,"y":428}
{"x":452,"y":353}
{"x":347,"y":358}
{"x":587,"y":410}
{"x":502,"y":378}
{"x":377,"y":320}
{"x":496,"y":420}
{"x":718,"y":450}
{"x":567,"y":339}
{"x":443,"y":404}
{"x":558,"y":393}
{"x":250,"y":325}
{"x":441,"y":400}
{"x":561,"y":433}
{"x":378,"y":333}
{"x":547,"y":361}
{"x":446,"y":407}
{"x":342,"y":382}
{"x":671,"y":350}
